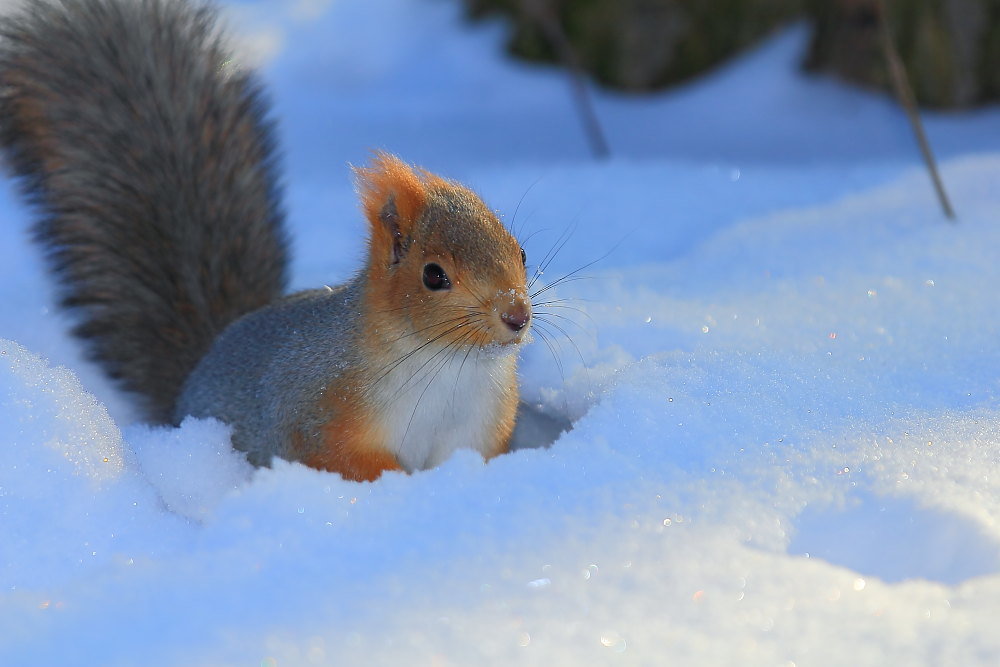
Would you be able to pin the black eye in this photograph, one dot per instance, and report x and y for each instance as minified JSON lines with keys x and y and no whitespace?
{"x":435,"y":278}
{"x":524,"y":257}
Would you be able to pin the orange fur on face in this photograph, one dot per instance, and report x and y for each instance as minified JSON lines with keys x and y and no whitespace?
{"x":486,"y":286}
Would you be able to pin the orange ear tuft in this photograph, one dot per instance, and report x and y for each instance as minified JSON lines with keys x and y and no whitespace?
{"x":433,"y":181}
{"x":387,"y":185}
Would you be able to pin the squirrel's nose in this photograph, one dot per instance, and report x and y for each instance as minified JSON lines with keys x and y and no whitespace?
{"x":516,"y":317}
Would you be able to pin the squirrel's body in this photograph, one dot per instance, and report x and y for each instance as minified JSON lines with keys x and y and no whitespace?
{"x":150,"y":161}
{"x":399,"y":414}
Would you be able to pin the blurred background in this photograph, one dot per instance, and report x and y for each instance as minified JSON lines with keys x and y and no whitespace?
{"x":950,"y":47}
{"x":457,"y":84}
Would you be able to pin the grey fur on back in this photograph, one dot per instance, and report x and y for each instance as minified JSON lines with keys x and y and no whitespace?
{"x":267,"y":372}
{"x":150,"y":163}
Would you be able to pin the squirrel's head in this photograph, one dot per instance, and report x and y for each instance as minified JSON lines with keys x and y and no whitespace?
{"x":439,"y":258}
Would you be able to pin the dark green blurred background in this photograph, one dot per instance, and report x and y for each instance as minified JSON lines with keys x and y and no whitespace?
{"x":951,"y":48}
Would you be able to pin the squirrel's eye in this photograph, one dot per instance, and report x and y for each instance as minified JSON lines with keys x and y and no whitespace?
{"x":435,"y":278}
{"x":524,"y":257}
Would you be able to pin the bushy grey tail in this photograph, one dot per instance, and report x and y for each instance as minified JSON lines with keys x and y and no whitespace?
{"x":151,"y":164}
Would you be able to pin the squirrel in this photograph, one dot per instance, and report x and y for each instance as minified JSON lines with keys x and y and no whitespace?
{"x":151,"y":164}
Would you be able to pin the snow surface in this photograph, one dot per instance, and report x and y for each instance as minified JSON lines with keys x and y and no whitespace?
{"x":783,"y":382}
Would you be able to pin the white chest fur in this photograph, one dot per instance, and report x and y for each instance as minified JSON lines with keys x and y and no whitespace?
{"x":439,"y":400}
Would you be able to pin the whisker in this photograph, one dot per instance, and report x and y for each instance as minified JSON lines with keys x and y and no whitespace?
{"x":561,"y":281}
{"x":560,"y":303}
{"x":385,"y":370}
{"x":381,"y":311}
{"x":531,"y":236}
{"x":543,"y":315}
{"x":478,"y":298}
{"x":565,"y":333}
{"x":432,"y":326}
{"x":574,"y":273}
{"x":513,"y":217}
{"x":540,"y":330}
{"x":543,"y":312}
{"x":443,"y":351}
{"x":556,"y":248}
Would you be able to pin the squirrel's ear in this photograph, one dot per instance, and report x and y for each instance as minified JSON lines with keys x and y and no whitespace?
{"x":393,"y":196}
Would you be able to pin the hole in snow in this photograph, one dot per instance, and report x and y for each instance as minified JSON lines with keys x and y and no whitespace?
{"x":536,"y":428}
{"x":895,"y":539}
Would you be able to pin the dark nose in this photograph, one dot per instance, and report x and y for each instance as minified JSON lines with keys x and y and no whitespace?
{"x":517,"y":317}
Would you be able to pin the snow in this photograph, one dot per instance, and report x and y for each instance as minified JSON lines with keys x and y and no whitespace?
{"x":782,"y":379}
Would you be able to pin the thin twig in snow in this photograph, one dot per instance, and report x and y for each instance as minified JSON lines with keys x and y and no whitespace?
{"x":546,"y":16}
{"x":900,"y":82}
